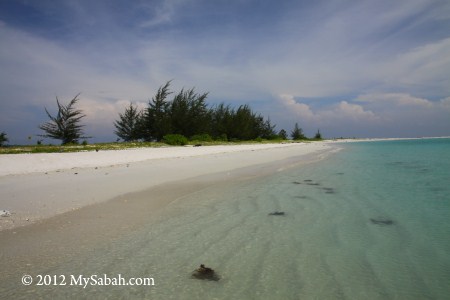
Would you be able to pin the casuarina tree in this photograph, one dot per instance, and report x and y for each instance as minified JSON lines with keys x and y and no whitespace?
{"x":66,"y":125}
{"x":129,"y":126}
{"x":297,"y":133}
{"x":3,"y":138}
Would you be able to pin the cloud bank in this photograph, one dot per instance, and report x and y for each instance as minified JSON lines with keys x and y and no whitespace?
{"x":350,"y":68}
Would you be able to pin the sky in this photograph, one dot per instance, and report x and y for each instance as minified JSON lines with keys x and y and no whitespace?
{"x":350,"y":68}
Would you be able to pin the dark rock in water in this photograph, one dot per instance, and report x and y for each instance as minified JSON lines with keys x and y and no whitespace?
{"x":312,"y":183}
{"x":277,"y":213}
{"x":296,"y":182}
{"x":205,"y":273}
{"x":382,"y":221}
{"x":328,"y":190}
{"x":307,"y":180}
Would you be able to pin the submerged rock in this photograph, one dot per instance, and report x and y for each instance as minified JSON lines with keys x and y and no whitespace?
{"x":277,"y":213}
{"x":328,"y":190}
{"x":205,"y":273}
{"x":382,"y":221}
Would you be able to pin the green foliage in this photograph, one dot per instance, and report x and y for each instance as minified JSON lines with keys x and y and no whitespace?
{"x":3,"y":139}
{"x":129,"y":125}
{"x":223,"y":137}
{"x":267,"y":130}
{"x":175,"y":139}
{"x":66,"y":125}
{"x":201,"y":138}
{"x":297,"y":133}
{"x":318,"y":135}
{"x":282,"y":134}
{"x":189,"y":113}
{"x":156,"y":119}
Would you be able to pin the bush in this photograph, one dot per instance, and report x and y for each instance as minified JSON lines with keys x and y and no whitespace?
{"x":175,"y":139}
{"x":201,"y":138}
{"x":222,"y":138}
{"x":3,"y":139}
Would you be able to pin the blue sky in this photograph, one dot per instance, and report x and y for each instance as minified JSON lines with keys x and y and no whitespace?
{"x":351,"y":68}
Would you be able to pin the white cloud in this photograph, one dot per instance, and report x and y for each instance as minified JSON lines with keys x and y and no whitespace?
{"x":349,"y":111}
{"x":301,"y":110}
{"x":342,"y":112}
{"x":160,"y":13}
{"x":400,"y":99}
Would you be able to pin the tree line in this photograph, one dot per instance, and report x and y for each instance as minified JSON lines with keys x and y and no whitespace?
{"x":185,"y":115}
{"x":188,"y":114}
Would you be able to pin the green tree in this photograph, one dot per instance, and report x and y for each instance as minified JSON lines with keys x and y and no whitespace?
{"x":297,"y":133}
{"x":189,"y":113}
{"x":3,"y":138}
{"x":156,"y":119}
{"x":221,"y":121}
{"x":282,"y":134}
{"x":129,"y":125}
{"x":267,"y":130}
{"x":65,"y":126}
{"x":318,"y":135}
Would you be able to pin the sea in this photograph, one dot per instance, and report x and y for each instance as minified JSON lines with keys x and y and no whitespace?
{"x":370,"y":220}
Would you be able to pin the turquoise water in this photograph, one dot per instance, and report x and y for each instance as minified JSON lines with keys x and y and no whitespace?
{"x":371,"y":221}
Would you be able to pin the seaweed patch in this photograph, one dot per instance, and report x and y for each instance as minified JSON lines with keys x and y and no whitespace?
{"x":329,"y":190}
{"x":277,"y":213}
{"x":382,"y":221}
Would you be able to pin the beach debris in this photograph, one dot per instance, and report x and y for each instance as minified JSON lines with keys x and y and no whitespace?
{"x":205,"y":273}
{"x":197,"y":145}
{"x":277,"y":213}
{"x":382,"y":221}
{"x":5,"y":213}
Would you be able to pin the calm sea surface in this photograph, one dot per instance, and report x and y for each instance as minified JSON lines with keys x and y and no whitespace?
{"x":371,"y":221}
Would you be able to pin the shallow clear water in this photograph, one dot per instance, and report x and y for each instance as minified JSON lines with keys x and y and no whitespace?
{"x":369,"y":222}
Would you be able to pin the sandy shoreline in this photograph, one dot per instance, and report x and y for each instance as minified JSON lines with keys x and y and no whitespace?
{"x":64,"y":213}
{"x":34,"y":187}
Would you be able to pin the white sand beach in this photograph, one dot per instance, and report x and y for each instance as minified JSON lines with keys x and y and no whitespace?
{"x":34,"y":187}
{"x":64,"y":204}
